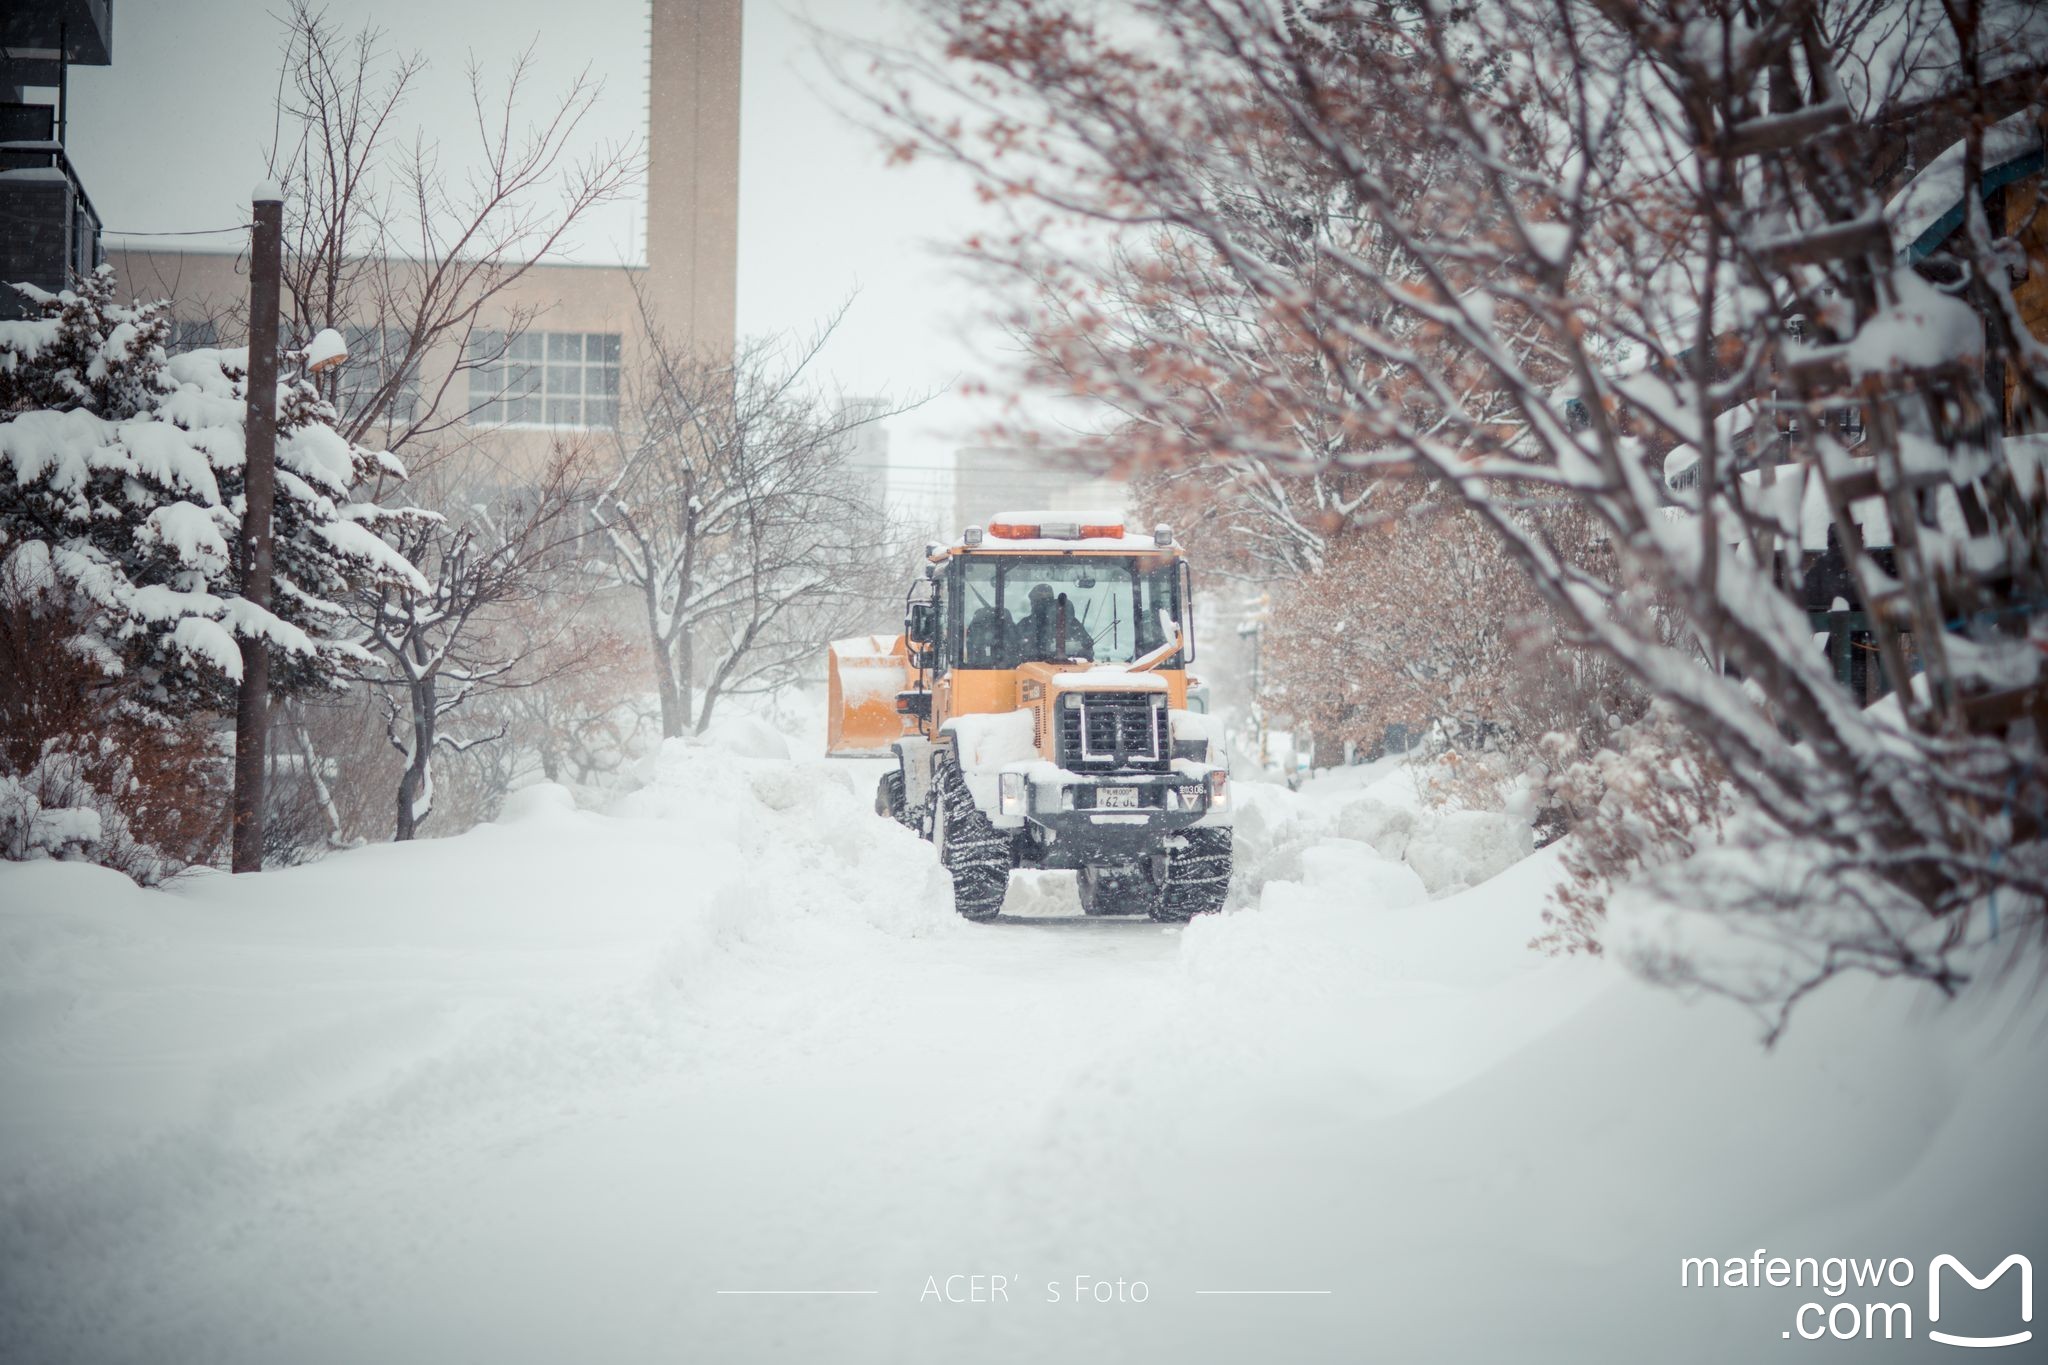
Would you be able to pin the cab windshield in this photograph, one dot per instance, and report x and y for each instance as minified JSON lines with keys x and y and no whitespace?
{"x":1016,"y":609}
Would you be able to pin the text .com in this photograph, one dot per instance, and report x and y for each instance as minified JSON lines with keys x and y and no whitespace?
{"x":1882,"y":1312}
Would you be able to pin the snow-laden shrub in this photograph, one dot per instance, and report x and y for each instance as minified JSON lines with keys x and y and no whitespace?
{"x":83,"y":773}
{"x":30,"y":827}
{"x":1373,"y":848}
{"x":1463,"y":848}
{"x":747,"y":736}
{"x":90,"y":802}
{"x":1648,"y":799}
{"x":1383,"y":825}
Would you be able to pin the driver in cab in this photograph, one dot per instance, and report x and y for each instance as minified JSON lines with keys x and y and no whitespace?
{"x":1052,"y":631}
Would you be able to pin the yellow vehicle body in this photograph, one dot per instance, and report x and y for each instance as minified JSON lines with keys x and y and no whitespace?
{"x":1036,"y":705}
{"x":1030,"y":687}
{"x":864,"y":674}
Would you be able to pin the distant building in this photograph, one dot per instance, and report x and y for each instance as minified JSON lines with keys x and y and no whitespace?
{"x":867,"y":446}
{"x":49,"y":232}
{"x":582,"y":325}
{"x":992,"y":479}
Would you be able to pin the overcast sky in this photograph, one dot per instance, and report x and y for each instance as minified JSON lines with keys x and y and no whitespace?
{"x":171,"y":137}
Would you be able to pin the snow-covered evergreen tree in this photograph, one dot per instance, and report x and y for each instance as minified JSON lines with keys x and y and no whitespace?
{"x":121,"y":474}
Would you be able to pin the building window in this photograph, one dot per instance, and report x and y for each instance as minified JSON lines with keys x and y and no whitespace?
{"x":555,"y":379}
{"x":193,"y":334}
{"x":374,"y":356}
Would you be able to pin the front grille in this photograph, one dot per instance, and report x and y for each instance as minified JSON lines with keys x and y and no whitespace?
{"x":1100,"y":731}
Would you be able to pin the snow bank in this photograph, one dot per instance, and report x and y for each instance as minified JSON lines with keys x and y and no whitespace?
{"x":540,"y":1091}
{"x":1274,"y":826}
{"x":1361,"y":872}
{"x":802,"y":837}
{"x":735,"y":733}
{"x":1439,"y":1110}
{"x":536,"y":803}
{"x":271,"y":1032}
{"x":1196,"y":727}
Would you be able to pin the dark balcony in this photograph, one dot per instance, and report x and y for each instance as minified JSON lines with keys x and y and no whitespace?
{"x":39,"y":38}
{"x":49,"y":231}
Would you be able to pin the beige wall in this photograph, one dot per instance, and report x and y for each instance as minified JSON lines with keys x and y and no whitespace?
{"x":213,"y":286}
{"x":693,"y":168}
{"x":692,"y":237}
{"x":992,"y":479}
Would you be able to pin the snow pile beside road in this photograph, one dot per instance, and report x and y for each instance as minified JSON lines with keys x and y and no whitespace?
{"x":806,"y":831}
{"x":1410,"y":1110}
{"x":1382,"y":840}
{"x":191,"y":1073}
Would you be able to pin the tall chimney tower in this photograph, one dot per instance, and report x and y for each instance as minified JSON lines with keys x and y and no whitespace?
{"x":693,"y":169}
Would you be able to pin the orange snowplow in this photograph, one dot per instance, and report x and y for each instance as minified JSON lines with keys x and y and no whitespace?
{"x":864,"y":673}
{"x":1036,"y":707}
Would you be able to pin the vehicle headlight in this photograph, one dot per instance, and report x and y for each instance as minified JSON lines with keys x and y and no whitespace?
{"x":1219,"y":789}
{"x":1011,"y":793}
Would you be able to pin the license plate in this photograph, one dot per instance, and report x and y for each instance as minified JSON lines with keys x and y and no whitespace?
{"x":1116,"y":798}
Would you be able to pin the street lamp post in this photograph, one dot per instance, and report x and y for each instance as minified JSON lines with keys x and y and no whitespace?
{"x":259,"y":490}
{"x":259,"y":493}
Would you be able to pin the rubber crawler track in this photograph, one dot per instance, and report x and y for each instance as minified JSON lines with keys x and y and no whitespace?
{"x":974,"y":851}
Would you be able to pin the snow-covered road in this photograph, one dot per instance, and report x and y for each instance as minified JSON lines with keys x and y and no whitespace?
{"x":543,"y":1091}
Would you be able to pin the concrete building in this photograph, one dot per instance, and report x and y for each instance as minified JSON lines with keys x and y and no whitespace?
{"x":867,"y":446}
{"x":992,"y":479}
{"x":579,"y":328}
{"x":693,"y":166}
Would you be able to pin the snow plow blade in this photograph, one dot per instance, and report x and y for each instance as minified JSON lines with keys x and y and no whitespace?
{"x":863,"y":675}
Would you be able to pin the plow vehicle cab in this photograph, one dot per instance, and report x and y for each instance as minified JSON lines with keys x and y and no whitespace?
{"x":1039,"y":717}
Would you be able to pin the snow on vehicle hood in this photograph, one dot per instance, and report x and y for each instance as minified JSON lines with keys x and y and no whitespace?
{"x":1109,"y":677}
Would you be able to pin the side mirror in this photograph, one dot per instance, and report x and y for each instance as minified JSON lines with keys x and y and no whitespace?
{"x":1187,"y":615}
{"x":918,"y":623}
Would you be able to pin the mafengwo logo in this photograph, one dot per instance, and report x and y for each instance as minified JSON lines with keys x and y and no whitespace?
{"x":1852,"y":1318}
{"x":1939,"y":1263}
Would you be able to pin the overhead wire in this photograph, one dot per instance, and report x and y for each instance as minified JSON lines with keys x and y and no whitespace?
{"x":186,"y":232}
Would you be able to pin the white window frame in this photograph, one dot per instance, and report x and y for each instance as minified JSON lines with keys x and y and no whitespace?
{"x":548,"y":380}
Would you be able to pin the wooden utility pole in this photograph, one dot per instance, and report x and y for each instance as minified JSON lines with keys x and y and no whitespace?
{"x":252,"y":704}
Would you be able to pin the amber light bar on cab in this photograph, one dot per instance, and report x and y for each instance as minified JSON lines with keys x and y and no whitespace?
{"x":1056,"y":530}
